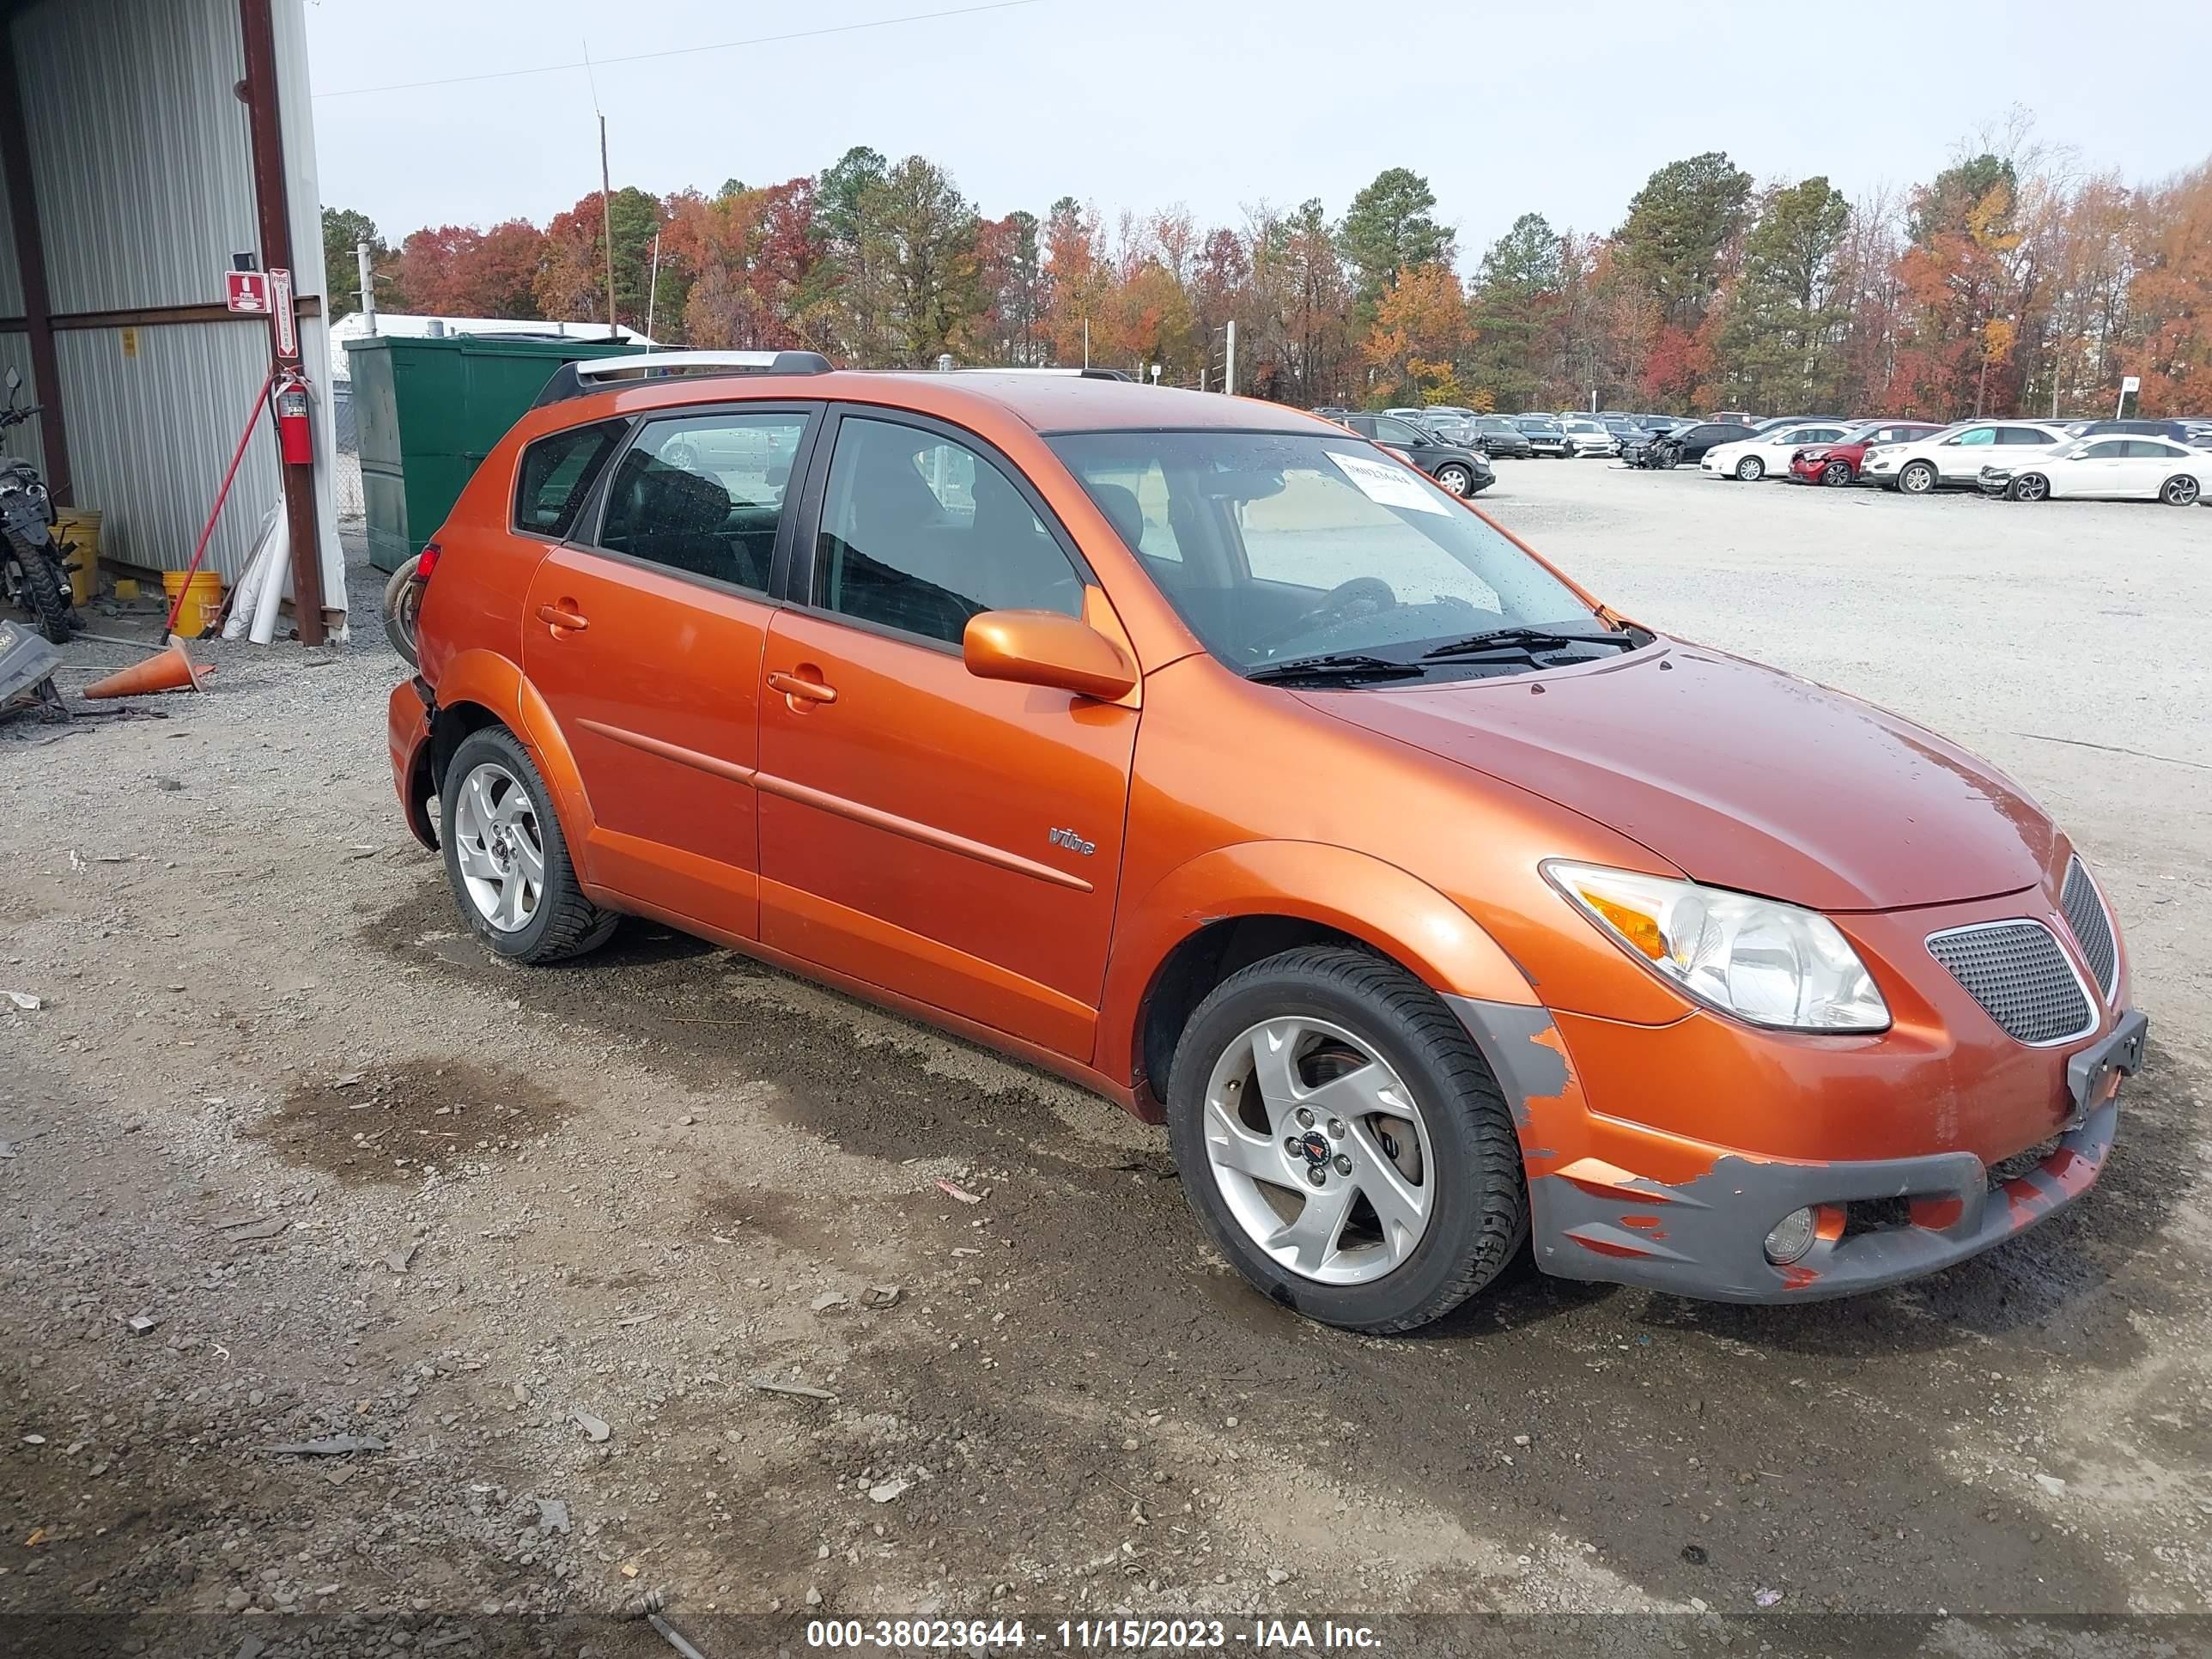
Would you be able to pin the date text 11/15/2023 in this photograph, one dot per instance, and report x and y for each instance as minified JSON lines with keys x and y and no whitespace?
{"x":1090,"y":1635}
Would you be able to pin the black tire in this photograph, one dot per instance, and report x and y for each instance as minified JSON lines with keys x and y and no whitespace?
{"x":1480,"y":1218}
{"x":1836,"y":474}
{"x":2180,"y":490}
{"x":1751,"y":469}
{"x":566,"y":923}
{"x":1917,"y":478}
{"x":402,"y":604}
{"x":1456,"y":479}
{"x":48,"y":605}
{"x":2029,"y":487}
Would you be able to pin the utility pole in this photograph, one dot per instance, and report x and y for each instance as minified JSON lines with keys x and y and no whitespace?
{"x":653,"y":291}
{"x":1086,"y":339}
{"x":368,"y":286}
{"x":1229,"y":360}
{"x":607,"y":221}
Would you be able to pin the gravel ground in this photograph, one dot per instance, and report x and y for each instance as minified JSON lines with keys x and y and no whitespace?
{"x":283,"y":1156}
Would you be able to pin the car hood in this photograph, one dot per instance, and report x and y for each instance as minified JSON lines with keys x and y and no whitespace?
{"x":1738,"y":775}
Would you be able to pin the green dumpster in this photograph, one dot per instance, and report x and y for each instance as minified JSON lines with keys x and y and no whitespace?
{"x":429,"y":408}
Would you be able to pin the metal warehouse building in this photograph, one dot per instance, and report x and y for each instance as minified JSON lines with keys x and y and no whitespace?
{"x":143,"y":143}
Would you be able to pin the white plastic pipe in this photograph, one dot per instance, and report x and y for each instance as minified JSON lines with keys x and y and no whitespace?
{"x":271,"y":593}
{"x":249,"y":580}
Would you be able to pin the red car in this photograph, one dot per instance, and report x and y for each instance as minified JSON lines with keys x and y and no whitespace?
{"x":1840,"y":463}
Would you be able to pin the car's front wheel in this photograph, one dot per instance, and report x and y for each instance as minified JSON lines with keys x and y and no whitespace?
{"x":506,"y":858}
{"x":2180,"y":490}
{"x":1342,"y":1136}
{"x":2030,"y":487}
{"x":1917,"y":478}
{"x":1836,"y":473}
{"x":1456,"y":479}
{"x":1751,"y":469}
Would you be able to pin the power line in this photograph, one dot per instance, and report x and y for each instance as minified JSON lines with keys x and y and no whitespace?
{"x":685,"y":52}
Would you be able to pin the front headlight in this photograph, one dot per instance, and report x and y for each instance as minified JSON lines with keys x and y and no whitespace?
{"x":1772,"y":964}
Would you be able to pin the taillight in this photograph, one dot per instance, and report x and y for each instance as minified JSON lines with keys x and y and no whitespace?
{"x":426,"y":562}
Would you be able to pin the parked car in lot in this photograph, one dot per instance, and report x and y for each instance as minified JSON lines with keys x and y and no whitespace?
{"x":1765,"y":453}
{"x":986,"y":718}
{"x":1457,"y":468}
{"x":1544,"y":434}
{"x":1587,"y":436}
{"x":1838,"y":463}
{"x":1690,"y":444}
{"x":1953,"y":458}
{"x":2113,"y":469}
{"x":1498,"y":438}
{"x":2179,"y":431}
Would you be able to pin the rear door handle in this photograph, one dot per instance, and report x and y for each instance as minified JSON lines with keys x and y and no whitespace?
{"x":555,"y":616}
{"x":803,"y":690}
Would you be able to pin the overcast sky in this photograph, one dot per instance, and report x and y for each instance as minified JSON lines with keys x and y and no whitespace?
{"x":1145,"y":104}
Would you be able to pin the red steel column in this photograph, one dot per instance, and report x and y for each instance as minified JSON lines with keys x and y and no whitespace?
{"x":31,"y":267}
{"x":259,"y":90}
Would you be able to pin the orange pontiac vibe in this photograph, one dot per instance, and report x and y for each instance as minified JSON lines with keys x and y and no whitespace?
{"x":1201,"y":752}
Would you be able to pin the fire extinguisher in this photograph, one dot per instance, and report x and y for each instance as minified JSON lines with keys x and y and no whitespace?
{"x":292,"y":437}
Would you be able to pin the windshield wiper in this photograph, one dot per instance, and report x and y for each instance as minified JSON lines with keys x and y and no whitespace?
{"x":1336,"y":665}
{"x":1522,"y":639}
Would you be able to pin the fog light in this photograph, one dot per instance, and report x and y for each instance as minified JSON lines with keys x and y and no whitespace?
{"x":1791,"y":1237}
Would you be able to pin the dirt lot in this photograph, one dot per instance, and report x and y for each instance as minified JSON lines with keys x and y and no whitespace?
{"x":545,"y":1237}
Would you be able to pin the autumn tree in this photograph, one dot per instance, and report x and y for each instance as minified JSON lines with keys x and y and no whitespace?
{"x":849,"y":201}
{"x":571,"y":282}
{"x":2170,"y":297}
{"x":1420,"y":329}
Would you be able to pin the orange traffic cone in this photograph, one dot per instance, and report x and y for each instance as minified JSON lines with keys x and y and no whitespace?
{"x":172,"y":670}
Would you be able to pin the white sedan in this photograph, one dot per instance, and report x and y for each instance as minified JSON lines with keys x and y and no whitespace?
{"x":1767,"y":455}
{"x":2107,"y":470}
{"x":1587,"y":437}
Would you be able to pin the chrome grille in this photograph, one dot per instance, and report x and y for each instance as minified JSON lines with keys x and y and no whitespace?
{"x":2019,"y":972}
{"x":2092,"y":927}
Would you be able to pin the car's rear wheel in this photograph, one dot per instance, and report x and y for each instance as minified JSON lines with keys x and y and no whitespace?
{"x":403,"y":609}
{"x":2030,"y":487}
{"x":506,"y":858}
{"x":1836,"y":474}
{"x":1456,"y":479}
{"x":1917,"y":478}
{"x":1342,"y":1138}
{"x":2180,"y":490}
{"x":1751,"y":469}
{"x":682,"y":456}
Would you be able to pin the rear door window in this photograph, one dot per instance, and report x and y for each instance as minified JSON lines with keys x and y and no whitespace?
{"x":556,"y":475}
{"x":2022,"y":435}
{"x":703,"y":495}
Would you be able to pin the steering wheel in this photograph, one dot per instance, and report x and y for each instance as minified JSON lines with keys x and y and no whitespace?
{"x":1337,"y":604}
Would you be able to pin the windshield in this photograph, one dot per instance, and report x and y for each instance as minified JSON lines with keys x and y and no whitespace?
{"x":1277,"y":546}
{"x":1536,"y":423}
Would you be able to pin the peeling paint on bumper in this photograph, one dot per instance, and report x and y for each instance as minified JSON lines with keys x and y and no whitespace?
{"x":1594,"y":1217}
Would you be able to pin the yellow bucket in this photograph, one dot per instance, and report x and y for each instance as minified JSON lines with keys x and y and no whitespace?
{"x":202,"y":600}
{"x":80,"y":527}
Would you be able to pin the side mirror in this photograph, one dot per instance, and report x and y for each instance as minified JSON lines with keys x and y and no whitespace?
{"x":1044,"y":647}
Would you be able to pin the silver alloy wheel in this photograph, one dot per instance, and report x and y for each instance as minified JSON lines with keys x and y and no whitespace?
{"x":1836,"y":474}
{"x":2180,"y":491}
{"x":2031,"y":487}
{"x":1319,"y":1151}
{"x":1917,"y":479}
{"x":1750,"y":469}
{"x":682,"y":456}
{"x":1456,"y":479}
{"x":500,"y":847}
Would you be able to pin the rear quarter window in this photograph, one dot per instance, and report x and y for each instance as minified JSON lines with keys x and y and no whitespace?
{"x":556,"y":474}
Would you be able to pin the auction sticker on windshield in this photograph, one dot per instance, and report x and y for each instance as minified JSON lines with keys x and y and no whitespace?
{"x":1386,"y":483}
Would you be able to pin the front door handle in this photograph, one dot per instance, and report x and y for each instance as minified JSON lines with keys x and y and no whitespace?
{"x":800,"y":689}
{"x":561,"y":619}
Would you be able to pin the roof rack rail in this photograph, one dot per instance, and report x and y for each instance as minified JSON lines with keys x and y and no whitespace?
{"x":599,"y":374}
{"x":1082,"y":373}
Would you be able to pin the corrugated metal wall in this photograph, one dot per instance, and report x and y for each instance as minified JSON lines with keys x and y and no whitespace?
{"x":141,"y":159}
